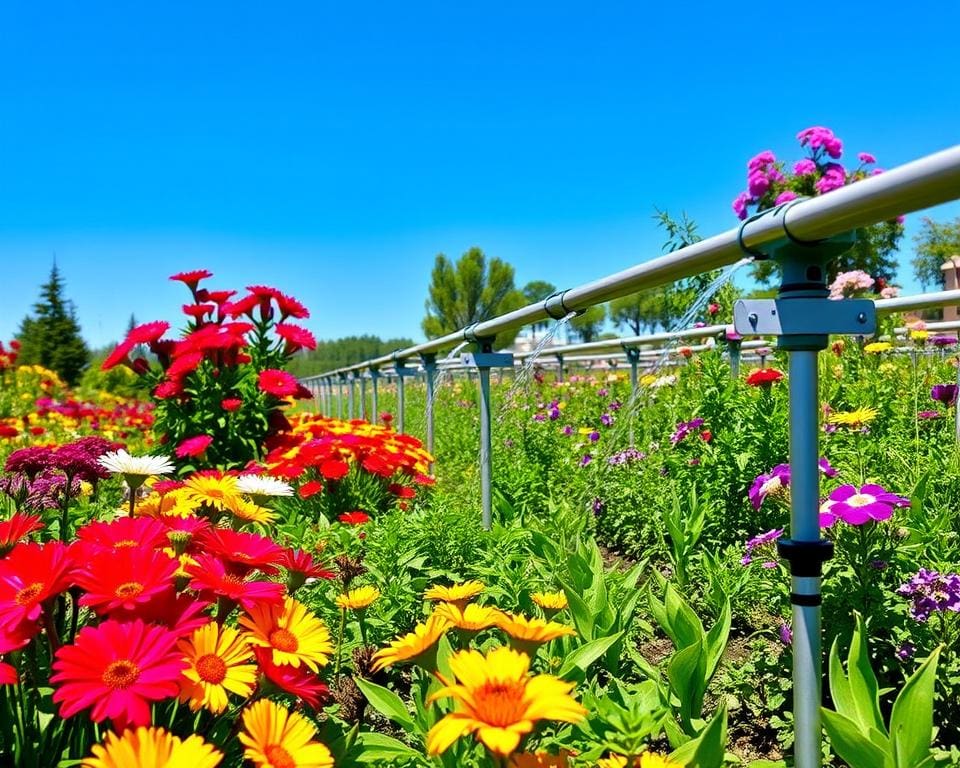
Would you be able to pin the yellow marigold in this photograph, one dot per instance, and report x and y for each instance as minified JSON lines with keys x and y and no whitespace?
{"x":646,"y":760}
{"x":274,"y":737}
{"x":919,"y":335}
{"x":496,"y":698}
{"x":459,"y":594}
{"x":472,"y":618}
{"x":550,"y":601}
{"x":249,"y":512}
{"x":220,"y":663}
{"x":291,"y":632}
{"x":176,"y":503}
{"x":613,"y":761}
{"x":528,"y":633}
{"x":358,"y":599}
{"x":876,"y":347}
{"x":853,"y":418}
{"x":217,"y":492}
{"x":415,"y":646}
{"x":152,"y":748}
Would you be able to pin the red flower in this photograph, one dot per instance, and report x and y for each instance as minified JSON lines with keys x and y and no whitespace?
{"x":127,"y":578}
{"x":123,"y":533}
{"x":190,"y":279}
{"x":194,"y":446}
{"x":243,"y":551}
{"x":165,"y":486}
{"x":180,"y":613}
{"x":148,"y":332}
{"x":168,"y":389}
{"x":244,"y":306}
{"x":197,"y":311}
{"x":764,"y":377}
{"x":16,"y":528}
{"x":8,"y":674}
{"x":706,"y":435}
{"x":118,"y":356}
{"x":118,"y":669}
{"x":296,"y":337}
{"x":354,"y":518}
{"x":298,"y":561}
{"x":386,"y":418}
{"x":334,"y":469}
{"x":211,"y":577}
{"x":183,"y":364}
{"x":217,"y":297}
{"x":402,"y":491}
{"x":7,"y":431}
{"x":31,"y":574}
{"x":276,"y":382}
{"x":309,"y":489}
{"x":378,"y":465}
{"x":290,"y":307}
{"x":297,"y":681}
{"x":231,"y":403}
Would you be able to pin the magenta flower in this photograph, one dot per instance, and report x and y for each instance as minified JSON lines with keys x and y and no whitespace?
{"x":944,"y":393}
{"x":834,"y":177}
{"x":786,"y":634}
{"x":932,"y":591}
{"x":785,"y":197}
{"x":765,"y":484}
{"x":761,"y":161}
{"x":740,"y":205}
{"x":757,"y":184}
{"x":826,"y":468}
{"x":805,"y":167}
{"x":856,"y":506}
{"x":866,"y":158}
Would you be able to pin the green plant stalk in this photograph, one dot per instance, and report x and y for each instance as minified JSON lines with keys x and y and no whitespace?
{"x":343,"y":626}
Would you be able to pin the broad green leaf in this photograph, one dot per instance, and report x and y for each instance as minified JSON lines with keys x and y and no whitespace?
{"x":683,"y":625}
{"x":853,"y":746}
{"x":717,"y":639}
{"x":911,"y":722}
{"x":863,"y":682}
{"x":387,"y":703}
{"x":707,"y":749}
{"x":586,"y":654}
{"x":378,"y":746}
{"x":582,"y":617}
{"x":687,"y":674}
{"x":839,"y":684}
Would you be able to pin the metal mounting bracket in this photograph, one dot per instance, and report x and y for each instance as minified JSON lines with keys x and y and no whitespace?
{"x":487,"y":359}
{"x":794,"y":317}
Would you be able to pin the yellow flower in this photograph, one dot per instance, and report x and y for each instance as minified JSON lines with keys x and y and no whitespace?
{"x":647,"y":379}
{"x":919,"y":335}
{"x":220,"y":663}
{"x":459,"y":594}
{"x":249,"y":512}
{"x":654,"y":760}
{"x":550,"y":601}
{"x":176,"y":503}
{"x":472,"y":618}
{"x":359,"y":598}
{"x":294,"y":634}
{"x":497,"y":699}
{"x":277,"y":738}
{"x":184,"y":561}
{"x":152,"y":748}
{"x":853,"y":418}
{"x":413,"y":646}
{"x":562,"y":405}
{"x":614,"y":761}
{"x":217,"y":492}
{"x":528,"y":633}
{"x":876,"y":347}
{"x":540,"y":760}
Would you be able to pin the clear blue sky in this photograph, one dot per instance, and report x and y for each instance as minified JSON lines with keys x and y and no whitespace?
{"x":332,"y":149}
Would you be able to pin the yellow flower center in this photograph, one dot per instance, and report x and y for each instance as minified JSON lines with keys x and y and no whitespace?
{"x":120,"y":674}
{"x":500,"y":703}
{"x":124,"y":543}
{"x":28,"y":595}
{"x":211,"y":669}
{"x":284,"y":640}
{"x":279,"y":757}
{"x":860,"y":500}
{"x":129,"y":589}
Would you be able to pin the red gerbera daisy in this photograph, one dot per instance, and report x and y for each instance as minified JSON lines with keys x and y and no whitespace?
{"x":334,"y":469}
{"x":764,"y":377}
{"x":16,"y":637}
{"x":354,"y":518}
{"x":194,"y":446}
{"x":311,"y":488}
{"x":231,"y":404}
{"x":8,"y":675}
{"x":165,"y":486}
{"x":402,"y":491}
{"x":300,"y":562}
{"x":297,"y":681}
{"x":190,"y":279}
{"x":15,"y":529}
{"x":128,"y":578}
{"x":118,"y":356}
{"x":211,"y":577}
{"x":29,"y":575}
{"x":180,"y":613}
{"x":118,"y":668}
{"x":123,"y":533}
{"x":273,"y":381}
{"x":244,"y":551}
{"x":296,"y":337}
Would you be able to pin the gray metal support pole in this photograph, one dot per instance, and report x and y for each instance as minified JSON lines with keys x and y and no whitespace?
{"x":559,"y":368}
{"x":430,"y":374}
{"x":400,"y":399}
{"x":805,"y":527}
{"x":486,"y":452}
{"x":363,"y":395}
{"x":351,"y":381}
{"x":341,"y":396}
{"x":956,"y":407}
{"x":374,"y":404}
{"x":633,"y":356}
{"x":733,"y":350}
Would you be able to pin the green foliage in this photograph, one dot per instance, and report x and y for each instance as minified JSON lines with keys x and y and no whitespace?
{"x":51,"y":335}
{"x":587,"y":325}
{"x":538,"y":290}
{"x":469,"y":291}
{"x":935,"y":244}
{"x":117,"y":381}
{"x":337,"y":353}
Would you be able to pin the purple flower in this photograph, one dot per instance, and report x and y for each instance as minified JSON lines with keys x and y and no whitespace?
{"x":786,"y":634}
{"x":625,"y":457}
{"x":606,"y":419}
{"x":539,"y":417}
{"x":684,"y":428}
{"x":761,"y":161}
{"x":866,"y":158}
{"x":942,"y":341}
{"x":597,"y":505}
{"x":763,"y":539}
{"x":833,"y":178}
{"x":740,"y":203}
{"x":932,"y":591}
{"x":757,"y":184}
{"x":587,"y":458}
{"x":929,"y":415}
{"x":856,"y":506}
{"x":602,"y":392}
{"x":614,"y":406}
{"x":876,"y":171}
{"x":805,"y":167}
{"x":593,"y":436}
{"x":785,"y":197}
{"x":944,"y":393}
{"x":906,"y":651}
{"x":29,"y":461}
{"x":825,"y":467}
{"x":763,"y":485}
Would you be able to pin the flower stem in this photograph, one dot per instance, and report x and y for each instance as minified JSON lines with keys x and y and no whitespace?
{"x":343,"y":626}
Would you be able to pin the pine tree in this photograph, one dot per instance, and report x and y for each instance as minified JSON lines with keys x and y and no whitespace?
{"x":51,"y":335}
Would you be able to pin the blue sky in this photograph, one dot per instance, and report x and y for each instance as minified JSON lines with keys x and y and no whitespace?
{"x":332,"y":149}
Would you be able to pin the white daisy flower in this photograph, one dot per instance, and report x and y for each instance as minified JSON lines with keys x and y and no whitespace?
{"x":261,"y":486}
{"x":122,"y":463}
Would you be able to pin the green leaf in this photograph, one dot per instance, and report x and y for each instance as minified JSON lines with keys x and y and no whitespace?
{"x":378,"y":746}
{"x":716,"y":642}
{"x":863,"y":682}
{"x":687,"y":674}
{"x":853,"y":746}
{"x":586,"y":654}
{"x":911,"y":722}
{"x":839,"y":684}
{"x":707,"y":749}
{"x":683,"y":625}
{"x":582,"y":616}
{"x":387,"y":703}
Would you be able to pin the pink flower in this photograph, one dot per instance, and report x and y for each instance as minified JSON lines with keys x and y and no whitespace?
{"x":740,"y":205}
{"x":833,"y":178}
{"x":194,"y":446}
{"x":785,"y":197}
{"x":866,"y":158}
{"x":757,"y":184}
{"x":805,"y":167}
{"x":761,"y":161}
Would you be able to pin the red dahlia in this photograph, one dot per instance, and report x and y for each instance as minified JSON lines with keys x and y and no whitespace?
{"x":278,"y":383}
{"x":764,"y":377}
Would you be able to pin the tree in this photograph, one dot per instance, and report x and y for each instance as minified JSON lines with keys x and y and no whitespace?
{"x":534,"y":291}
{"x":51,"y":336}
{"x":469,"y":292}
{"x":587,"y":326}
{"x":936,"y":243}
{"x":338,"y":353}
